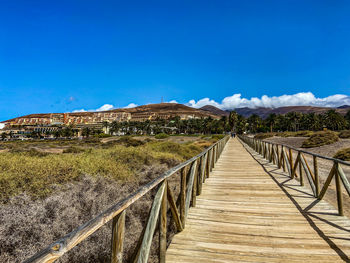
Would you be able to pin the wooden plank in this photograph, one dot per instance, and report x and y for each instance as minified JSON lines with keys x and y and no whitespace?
{"x":118,"y":231}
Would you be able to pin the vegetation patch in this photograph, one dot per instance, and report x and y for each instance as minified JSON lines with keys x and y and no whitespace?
{"x":319,"y":139}
{"x":261,"y":136}
{"x":161,"y":136}
{"x":74,"y":149}
{"x":38,"y":173}
{"x":218,"y":136}
{"x":344,"y":134}
{"x":343,"y":154}
{"x":296,"y":134}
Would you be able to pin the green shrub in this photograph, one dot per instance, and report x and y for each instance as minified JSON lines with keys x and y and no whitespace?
{"x":262,"y":136}
{"x":319,"y":139}
{"x":343,"y":154}
{"x":102,"y":135}
{"x":129,"y":141}
{"x":217,"y":136}
{"x":161,"y":136}
{"x":73,"y":149}
{"x":344,"y":134}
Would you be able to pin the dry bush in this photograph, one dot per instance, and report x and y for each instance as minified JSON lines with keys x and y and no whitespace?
{"x":320,"y":138}
{"x":27,"y":226}
{"x":261,"y":136}
{"x":344,"y":134}
{"x":343,"y":154}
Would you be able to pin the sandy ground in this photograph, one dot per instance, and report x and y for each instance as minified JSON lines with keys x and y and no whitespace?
{"x":324,"y":166}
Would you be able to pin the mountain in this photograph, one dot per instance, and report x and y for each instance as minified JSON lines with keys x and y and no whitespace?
{"x":344,"y":107}
{"x":264,"y":112}
{"x":214,"y":110}
{"x":174,"y":109}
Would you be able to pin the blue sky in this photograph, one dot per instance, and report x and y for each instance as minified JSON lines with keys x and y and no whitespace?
{"x":60,"y":56}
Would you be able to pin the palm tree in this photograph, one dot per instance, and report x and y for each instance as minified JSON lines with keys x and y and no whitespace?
{"x":271,"y":120}
{"x":254,"y":122}
{"x":334,"y":120}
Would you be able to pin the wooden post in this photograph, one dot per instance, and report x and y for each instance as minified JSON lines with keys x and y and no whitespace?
{"x":317,"y":179}
{"x":143,"y":253}
{"x":163,"y":225}
{"x":339,"y":191}
{"x":183,"y":195}
{"x":194,"y":188}
{"x":278,"y":157}
{"x":291,"y":159}
{"x":300,"y":171}
{"x":118,"y":230}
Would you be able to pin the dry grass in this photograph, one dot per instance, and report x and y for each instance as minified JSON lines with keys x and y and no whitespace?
{"x":320,"y":139}
{"x":37,"y":173}
{"x":343,"y":154}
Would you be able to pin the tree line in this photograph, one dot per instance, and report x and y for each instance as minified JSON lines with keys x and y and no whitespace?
{"x":292,"y":121}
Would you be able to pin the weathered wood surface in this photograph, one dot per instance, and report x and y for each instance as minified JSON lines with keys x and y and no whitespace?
{"x":248,"y":214}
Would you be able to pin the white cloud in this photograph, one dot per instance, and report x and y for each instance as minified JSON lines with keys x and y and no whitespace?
{"x":104,"y":107}
{"x":173,"y":101}
{"x":298,"y":99}
{"x":131,"y":105}
{"x":81,"y":110}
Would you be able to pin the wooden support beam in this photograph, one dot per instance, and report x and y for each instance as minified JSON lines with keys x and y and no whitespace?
{"x":328,"y":181}
{"x":173,"y":209}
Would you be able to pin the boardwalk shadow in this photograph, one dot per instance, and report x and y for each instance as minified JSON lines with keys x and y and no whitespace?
{"x":312,"y":217}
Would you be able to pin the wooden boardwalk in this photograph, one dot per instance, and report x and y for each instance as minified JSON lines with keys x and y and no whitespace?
{"x":249,"y":211}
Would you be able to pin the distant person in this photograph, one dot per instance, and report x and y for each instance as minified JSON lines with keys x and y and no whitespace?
{"x":233,"y":135}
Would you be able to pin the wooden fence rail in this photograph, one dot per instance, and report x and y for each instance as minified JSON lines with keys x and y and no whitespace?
{"x":282,"y":156}
{"x":193,"y":174}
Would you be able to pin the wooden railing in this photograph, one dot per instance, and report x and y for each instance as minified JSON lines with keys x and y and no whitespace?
{"x":282,"y":156}
{"x":193,"y":174}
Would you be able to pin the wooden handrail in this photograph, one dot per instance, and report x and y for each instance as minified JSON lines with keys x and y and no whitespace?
{"x":197,"y":174}
{"x":267,"y":150}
